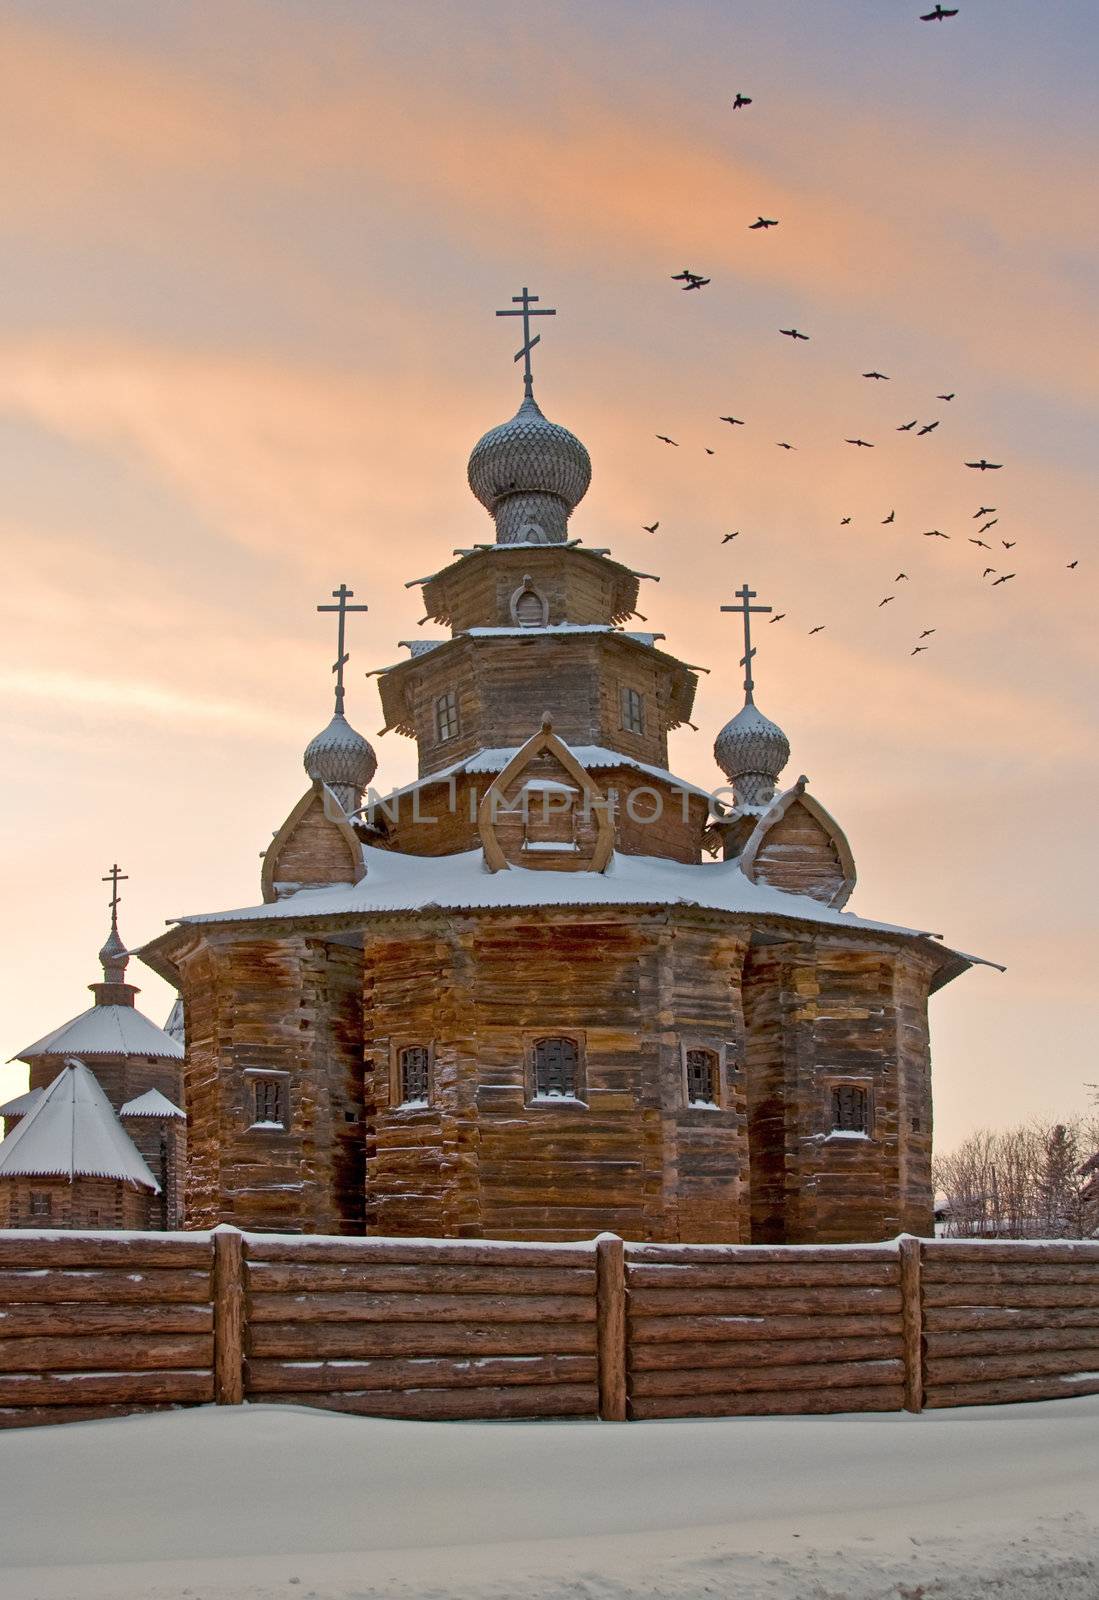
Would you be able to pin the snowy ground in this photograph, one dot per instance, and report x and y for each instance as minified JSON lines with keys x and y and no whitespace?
{"x":256,"y":1502}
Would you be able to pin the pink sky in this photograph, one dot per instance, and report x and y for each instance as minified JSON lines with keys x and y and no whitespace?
{"x":247,"y":342}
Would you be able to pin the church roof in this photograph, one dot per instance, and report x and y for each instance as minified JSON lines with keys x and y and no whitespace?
{"x":107,"y":1031}
{"x":151,"y":1104}
{"x":73,"y":1132}
{"x":22,"y":1103}
{"x":595,"y":757}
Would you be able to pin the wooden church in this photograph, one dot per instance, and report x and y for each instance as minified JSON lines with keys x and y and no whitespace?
{"x":550,"y":988}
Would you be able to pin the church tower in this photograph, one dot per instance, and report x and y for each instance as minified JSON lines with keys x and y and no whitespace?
{"x":511,"y":999}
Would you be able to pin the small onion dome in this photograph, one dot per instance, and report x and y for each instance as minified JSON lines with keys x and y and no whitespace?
{"x":530,"y":474}
{"x":342,"y":759}
{"x":752,"y":750}
{"x":113,"y":958}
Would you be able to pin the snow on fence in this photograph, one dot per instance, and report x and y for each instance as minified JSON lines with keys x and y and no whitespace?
{"x":100,"y":1324}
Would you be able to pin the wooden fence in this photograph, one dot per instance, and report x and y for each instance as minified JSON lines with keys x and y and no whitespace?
{"x":100,"y":1324}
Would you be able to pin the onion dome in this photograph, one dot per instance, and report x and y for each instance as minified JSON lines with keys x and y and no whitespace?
{"x":530,"y":474}
{"x":752,"y":750}
{"x":342,"y":759}
{"x":114,"y":957}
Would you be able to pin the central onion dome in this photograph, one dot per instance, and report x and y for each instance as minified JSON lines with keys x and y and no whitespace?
{"x":530,"y":474}
{"x":752,"y":750}
{"x":342,"y":759}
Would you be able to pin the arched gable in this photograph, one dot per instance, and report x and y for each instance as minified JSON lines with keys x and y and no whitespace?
{"x":315,"y":846}
{"x":797,"y":846}
{"x":545,"y":811}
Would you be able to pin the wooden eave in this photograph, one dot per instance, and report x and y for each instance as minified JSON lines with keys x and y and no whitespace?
{"x":528,"y":558}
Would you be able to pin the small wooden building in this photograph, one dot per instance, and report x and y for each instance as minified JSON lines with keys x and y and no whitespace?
{"x":513,"y":999}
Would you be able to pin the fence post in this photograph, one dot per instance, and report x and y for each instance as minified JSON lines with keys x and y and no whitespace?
{"x":610,"y":1313}
{"x":228,"y":1298}
{"x":911,"y":1259}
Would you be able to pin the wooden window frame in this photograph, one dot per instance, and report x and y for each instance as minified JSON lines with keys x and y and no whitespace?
{"x":397,"y":1047}
{"x":717,"y":1048}
{"x":627,"y":696}
{"x":527,"y":587}
{"x":578,"y":1100}
{"x":447,"y":713}
{"x":252,"y":1075}
{"x":35,"y":1196}
{"x":849,"y":1081}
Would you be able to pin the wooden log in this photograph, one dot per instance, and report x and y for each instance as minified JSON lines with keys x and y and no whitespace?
{"x":1005,"y":1391}
{"x":942,"y":1269}
{"x":415,"y":1252}
{"x":760,"y":1353}
{"x":101,"y":1250}
{"x":228,"y":1317}
{"x":912,"y":1321}
{"x":944,"y":1319}
{"x":762,"y":1403}
{"x":44,"y":1286}
{"x":443,"y":1405}
{"x":684,"y":1330}
{"x":976,"y":1250}
{"x":316,"y":1340}
{"x":792,"y":1275}
{"x":38,"y":1416}
{"x":611,"y":1327}
{"x":746,"y":1380}
{"x":759,"y":1254}
{"x":107,"y":1388}
{"x":437,"y":1372}
{"x":88,"y":1319}
{"x":114,"y":1352}
{"x":1003,"y":1341}
{"x":730,"y":1302}
{"x":1014,"y":1364}
{"x":433,"y":1308}
{"x":368,"y":1278}
{"x":995,"y":1294}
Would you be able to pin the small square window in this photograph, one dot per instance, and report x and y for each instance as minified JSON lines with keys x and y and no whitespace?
{"x":703,"y":1076}
{"x":633,"y":710}
{"x":269,"y":1102}
{"x":446,"y":716}
{"x":41,"y":1204}
{"x":850,"y":1109}
{"x":414,"y":1075}
{"x":556,"y":1069}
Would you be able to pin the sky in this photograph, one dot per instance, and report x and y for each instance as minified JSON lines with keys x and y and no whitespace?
{"x":251,"y":255}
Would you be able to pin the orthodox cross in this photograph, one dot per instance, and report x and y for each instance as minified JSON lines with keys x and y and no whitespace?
{"x":525,"y":301}
{"x":341,"y":596}
{"x":114,"y":878}
{"x":747,"y":610}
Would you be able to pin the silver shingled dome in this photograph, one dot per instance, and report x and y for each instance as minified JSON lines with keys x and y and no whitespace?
{"x":530,"y":474}
{"x":752,"y":750}
{"x":342,"y":759}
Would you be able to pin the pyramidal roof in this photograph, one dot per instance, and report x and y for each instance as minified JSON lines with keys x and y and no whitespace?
{"x":107,"y":1031}
{"x":151,"y":1104}
{"x":22,"y":1103}
{"x":72,"y":1132}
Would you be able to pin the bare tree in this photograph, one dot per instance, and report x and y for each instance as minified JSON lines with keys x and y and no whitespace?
{"x":1038,"y":1180}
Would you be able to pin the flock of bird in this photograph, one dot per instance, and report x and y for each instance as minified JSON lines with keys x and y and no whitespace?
{"x":691,"y":281}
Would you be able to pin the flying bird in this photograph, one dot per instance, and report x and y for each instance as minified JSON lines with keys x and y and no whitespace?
{"x":663,"y":437}
{"x":651,"y":529}
{"x":985,"y":466}
{"x":1004,"y":579}
{"x":889,"y":518}
{"x":695,"y":283}
{"x":783,"y":446}
{"x":899,"y":576}
{"x":934,"y":533}
{"x":707,"y":449}
{"x":864,"y":443}
{"x":983,"y":511}
{"x":939,"y":14}
{"x":844,"y":521}
{"x":930,"y":428}
{"x":927,"y":632}
{"x":686,"y":276}
{"x":778,"y":618}
{"x":980,"y":544}
{"x":792,"y":333}
{"x":741,"y":100}
{"x":729,"y":536}
{"x":821,"y":626}
{"x":884,"y":375}
{"x":737,"y":422}
{"x":765,"y":222}
{"x":988,"y":525}
{"x":987,"y":570}
{"x":918,"y":648}
{"x":1075,"y":563}
{"x":944,"y":397}
{"x":904,"y":427}
{"x":1009,"y":544}
{"x":886,"y":601}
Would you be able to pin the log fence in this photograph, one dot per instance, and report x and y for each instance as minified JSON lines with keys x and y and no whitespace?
{"x":102,"y":1324}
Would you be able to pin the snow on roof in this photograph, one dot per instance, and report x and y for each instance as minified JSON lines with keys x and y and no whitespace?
{"x":107,"y":1031}
{"x":398,"y":882}
{"x":73,"y":1133}
{"x":151,"y":1104}
{"x":22,"y":1103}
{"x":593,"y":756}
{"x":558,"y":627}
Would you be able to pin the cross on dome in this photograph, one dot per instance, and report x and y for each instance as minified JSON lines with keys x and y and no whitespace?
{"x":750,"y":749}
{"x":114,"y":877}
{"x":525,"y":301}
{"x":339,"y":757}
{"x":747,"y":610}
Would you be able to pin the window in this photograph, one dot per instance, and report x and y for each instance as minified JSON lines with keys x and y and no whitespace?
{"x":446,"y":715}
{"x":633,"y":710}
{"x":703,"y":1077}
{"x":414,"y":1075}
{"x":269,"y":1102}
{"x":41,"y":1204}
{"x":556,"y":1069}
{"x":528,"y":608}
{"x":850,"y":1108}
{"x":92,"y":1218}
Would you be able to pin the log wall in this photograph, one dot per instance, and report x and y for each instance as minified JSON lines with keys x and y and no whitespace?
{"x":96,"y":1325}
